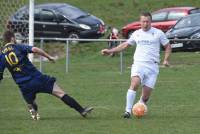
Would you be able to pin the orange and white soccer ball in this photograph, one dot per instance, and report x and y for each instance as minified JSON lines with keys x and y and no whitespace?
{"x":139,"y":109}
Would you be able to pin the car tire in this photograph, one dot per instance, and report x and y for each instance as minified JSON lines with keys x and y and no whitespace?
{"x":74,"y":35}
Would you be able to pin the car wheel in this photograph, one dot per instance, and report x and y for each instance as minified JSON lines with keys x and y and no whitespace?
{"x":73,"y":35}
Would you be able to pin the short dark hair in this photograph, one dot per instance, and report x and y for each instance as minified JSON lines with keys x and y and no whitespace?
{"x":7,"y":36}
{"x":146,"y":14}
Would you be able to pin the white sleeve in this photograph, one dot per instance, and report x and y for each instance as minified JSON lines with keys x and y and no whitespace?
{"x":163,"y":39}
{"x":131,"y":41}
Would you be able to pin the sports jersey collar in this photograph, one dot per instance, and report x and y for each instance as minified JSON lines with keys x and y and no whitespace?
{"x":148,"y":30}
{"x":8,"y":44}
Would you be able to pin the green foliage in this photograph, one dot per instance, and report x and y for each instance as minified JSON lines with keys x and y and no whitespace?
{"x":121,"y":12}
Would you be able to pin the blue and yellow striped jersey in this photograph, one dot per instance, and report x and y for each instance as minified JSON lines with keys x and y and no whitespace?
{"x":14,"y":57}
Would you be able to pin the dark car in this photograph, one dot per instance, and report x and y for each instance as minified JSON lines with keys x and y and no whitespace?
{"x":186,"y":28}
{"x":57,"y":20}
{"x":162,"y":19}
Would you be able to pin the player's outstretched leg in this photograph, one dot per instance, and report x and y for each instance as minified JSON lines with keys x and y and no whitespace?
{"x":70,"y":101}
{"x":74,"y":104}
{"x":86,"y":111}
{"x":33,"y":109}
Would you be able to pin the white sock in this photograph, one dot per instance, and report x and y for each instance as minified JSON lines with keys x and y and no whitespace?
{"x":130,"y":98}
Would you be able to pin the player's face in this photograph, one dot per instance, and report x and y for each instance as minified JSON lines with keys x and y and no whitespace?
{"x":13,"y":40}
{"x":145,"y":22}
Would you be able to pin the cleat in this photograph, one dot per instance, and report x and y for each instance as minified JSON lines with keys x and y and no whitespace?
{"x":126,"y":115}
{"x":37,"y":116}
{"x":34,"y":115}
{"x":86,"y":111}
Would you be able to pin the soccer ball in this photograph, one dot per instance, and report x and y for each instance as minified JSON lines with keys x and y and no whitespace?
{"x":139,"y":109}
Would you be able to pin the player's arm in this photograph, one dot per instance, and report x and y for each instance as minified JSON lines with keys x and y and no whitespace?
{"x":42,"y":53}
{"x":167,"y":46}
{"x":1,"y":76}
{"x":168,"y":50}
{"x":119,"y":48}
{"x":2,"y":67}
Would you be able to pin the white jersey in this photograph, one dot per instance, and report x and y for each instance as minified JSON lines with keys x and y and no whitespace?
{"x":147,"y":44}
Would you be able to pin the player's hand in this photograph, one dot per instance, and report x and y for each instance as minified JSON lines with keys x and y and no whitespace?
{"x":106,"y":52}
{"x":52,"y":59}
{"x":166,"y":63}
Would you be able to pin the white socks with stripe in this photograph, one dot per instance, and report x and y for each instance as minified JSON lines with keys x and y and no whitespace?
{"x":130,"y":98}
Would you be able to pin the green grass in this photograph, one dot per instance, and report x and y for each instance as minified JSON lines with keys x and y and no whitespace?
{"x":95,"y":80}
{"x":120,"y":12}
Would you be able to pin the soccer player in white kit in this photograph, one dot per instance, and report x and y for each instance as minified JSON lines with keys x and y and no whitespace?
{"x":145,"y":68}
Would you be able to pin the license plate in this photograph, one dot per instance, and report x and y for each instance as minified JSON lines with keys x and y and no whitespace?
{"x":176,"y":45}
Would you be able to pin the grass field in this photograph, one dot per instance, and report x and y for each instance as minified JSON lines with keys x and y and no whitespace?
{"x":95,"y":80}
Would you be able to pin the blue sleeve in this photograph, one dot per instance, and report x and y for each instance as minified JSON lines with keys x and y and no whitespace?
{"x":26,"y":48}
{"x":2,"y":67}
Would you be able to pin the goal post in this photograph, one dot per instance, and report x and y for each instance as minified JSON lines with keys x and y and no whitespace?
{"x":31,"y":26}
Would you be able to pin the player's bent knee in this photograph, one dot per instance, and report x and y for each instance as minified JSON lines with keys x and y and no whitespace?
{"x":134,"y":86}
{"x":57,"y":91}
{"x":135,"y":82}
{"x":58,"y":94}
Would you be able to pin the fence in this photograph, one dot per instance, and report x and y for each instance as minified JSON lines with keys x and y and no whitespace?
{"x":68,"y":40}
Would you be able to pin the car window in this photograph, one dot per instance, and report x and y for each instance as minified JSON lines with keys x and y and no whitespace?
{"x":159,"y":16}
{"x":197,"y":10}
{"x":62,"y":19}
{"x":47,"y":16}
{"x":175,"y":15}
{"x":22,"y":14}
{"x":190,"y":21}
{"x":72,"y":12}
{"x":37,"y":14}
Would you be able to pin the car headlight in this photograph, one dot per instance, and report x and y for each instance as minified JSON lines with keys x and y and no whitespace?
{"x":102,"y":22}
{"x":85,"y":26}
{"x":195,"y":36}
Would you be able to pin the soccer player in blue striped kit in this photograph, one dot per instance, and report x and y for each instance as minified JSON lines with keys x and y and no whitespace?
{"x":30,"y":81}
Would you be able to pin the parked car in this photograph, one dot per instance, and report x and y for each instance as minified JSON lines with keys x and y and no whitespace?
{"x":59,"y":20}
{"x":186,"y":28}
{"x":162,"y":19}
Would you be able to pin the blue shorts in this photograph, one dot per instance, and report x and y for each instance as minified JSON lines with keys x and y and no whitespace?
{"x":39,"y":84}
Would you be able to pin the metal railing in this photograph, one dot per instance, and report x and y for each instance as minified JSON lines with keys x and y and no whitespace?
{"x":68,"y":42}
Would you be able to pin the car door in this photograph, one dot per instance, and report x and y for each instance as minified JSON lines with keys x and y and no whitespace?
{"x":38,"y":31}
{"x":66,"y":26}
{"x":49,"y":24}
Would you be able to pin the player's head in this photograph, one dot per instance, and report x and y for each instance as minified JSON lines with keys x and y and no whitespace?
{"x":9,"y":37}
{"x":145,"y":20}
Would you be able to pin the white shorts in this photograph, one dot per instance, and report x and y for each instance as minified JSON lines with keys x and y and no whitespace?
{"x":147,"y":72}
